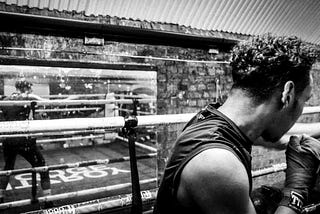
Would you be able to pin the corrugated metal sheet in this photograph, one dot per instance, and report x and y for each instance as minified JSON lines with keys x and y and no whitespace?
{"x":281,"y":17}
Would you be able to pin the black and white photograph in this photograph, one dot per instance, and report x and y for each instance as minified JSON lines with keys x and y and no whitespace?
{"x":160,"y":106}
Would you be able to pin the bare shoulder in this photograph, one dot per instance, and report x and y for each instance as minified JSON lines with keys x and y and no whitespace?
{"x":216,"y":180}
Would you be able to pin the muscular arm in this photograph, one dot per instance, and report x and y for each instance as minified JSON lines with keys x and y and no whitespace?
{"x":216,"y":182}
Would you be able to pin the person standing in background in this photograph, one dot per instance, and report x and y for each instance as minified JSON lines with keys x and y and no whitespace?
{"x":24,"y":146}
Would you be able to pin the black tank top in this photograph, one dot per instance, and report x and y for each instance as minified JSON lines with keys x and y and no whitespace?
{"x":208,"y":129}
{"x":14,"y":113}
{"x":11,"y":113}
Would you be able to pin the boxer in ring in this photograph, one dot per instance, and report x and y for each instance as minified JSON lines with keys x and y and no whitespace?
{"x":24,"y":146}
{"x":209,"y":169}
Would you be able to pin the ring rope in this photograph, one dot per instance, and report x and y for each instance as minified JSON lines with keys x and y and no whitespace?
{"x":118,"y":202}
{"x":68,"y":109}
{"x":59,"y":133}
{"x":68,"y":195}
{"x":311,"y":110}
{"x":44,"y":141}
{"x":95,"y":95}
{"x":65,"y":110}
{"x":129,"y":111}
{"x":269,"y":170}
{"x":100,"y":204}
{"x":72,"y":124}
{"x":91,"y":136}
{"x":141,"y":145}
{"x":72,"y":102}
{"x":62,"y":139}
{"x":73,"y":165}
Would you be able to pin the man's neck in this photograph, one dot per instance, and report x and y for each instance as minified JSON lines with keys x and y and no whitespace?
{"x":251,"y":119}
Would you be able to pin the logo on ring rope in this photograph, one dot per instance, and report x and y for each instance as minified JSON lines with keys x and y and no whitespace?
{"x":68,"y":209}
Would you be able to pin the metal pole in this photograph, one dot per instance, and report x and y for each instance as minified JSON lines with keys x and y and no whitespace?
{"x":34,"y":188}
{"x":129,"y":130}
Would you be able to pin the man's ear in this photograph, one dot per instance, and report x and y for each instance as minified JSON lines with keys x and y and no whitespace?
{"x":287,"y":94}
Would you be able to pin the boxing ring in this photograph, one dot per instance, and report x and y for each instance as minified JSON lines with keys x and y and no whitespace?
{"x":96,"y":127}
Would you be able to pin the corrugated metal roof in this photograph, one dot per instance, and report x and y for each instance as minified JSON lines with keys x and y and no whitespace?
{"x":281,"y":17}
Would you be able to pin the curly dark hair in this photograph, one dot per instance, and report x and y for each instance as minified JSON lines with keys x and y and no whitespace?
{"x":23,"y":84}
{"x":265,"y":63}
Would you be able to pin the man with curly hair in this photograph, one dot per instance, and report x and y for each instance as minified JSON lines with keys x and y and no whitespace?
{"x":209,"y":170}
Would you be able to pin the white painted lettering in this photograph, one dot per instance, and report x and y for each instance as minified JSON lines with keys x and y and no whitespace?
{"x":68,"y":175}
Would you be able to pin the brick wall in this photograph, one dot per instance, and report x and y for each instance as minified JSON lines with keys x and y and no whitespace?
{"x":187,"y":87}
